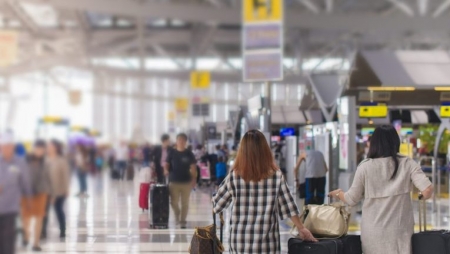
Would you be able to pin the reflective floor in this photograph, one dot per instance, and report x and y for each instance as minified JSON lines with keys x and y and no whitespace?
{"x":110,"y":221}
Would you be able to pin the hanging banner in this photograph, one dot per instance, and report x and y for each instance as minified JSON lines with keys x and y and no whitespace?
{"x":8,"y":48}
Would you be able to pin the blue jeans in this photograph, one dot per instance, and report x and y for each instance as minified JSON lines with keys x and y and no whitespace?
{"x":315,"y":190}
{"x":122,"y":166}
{"x":82,"y":179}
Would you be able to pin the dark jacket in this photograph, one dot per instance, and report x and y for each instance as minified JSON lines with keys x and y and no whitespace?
{"x":156,"y":159}
{"x":40,"y":176}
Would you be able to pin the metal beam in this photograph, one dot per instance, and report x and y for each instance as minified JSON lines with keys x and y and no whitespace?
{"x":195,"y":12}
{"x":442,"y":8}
{"x":403,"y":7}
{"x":422,"y":6}
{"x":329,"y":5}
{"x":310,"y":6}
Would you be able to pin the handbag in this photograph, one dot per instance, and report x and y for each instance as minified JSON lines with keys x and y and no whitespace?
{"x":205,"y":239}
{"x":325,"y":221}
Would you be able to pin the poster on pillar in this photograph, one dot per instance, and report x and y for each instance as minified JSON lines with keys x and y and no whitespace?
{"x":262,"y":40}
{"x":8,"y":48}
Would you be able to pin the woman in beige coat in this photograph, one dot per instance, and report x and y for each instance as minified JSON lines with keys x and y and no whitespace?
{"x":384,"y":181}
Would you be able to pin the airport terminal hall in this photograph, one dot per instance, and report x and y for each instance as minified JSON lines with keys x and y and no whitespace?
{"x":225,"y":126}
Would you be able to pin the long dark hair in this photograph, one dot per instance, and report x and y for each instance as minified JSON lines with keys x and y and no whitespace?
{"x":385,"y":142}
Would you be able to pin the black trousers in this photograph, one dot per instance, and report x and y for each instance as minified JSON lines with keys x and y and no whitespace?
{"x":8,"y":233}
{"x":315,"y":190}
{"x":60,"y":216}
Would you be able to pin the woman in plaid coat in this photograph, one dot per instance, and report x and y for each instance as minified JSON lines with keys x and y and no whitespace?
{"x":260,"y":195}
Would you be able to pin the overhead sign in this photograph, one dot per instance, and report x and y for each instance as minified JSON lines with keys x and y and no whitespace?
{"x":54,"y":120}
{"x":373,"y":111}
{"x":263,"y":66}
{"x":8,"y":48}
{"x":262,"y":40}
{"x":262,"y":10}
{"x":200,"y":79}
{"x":181,"y":104}
{"x":445,"y":110}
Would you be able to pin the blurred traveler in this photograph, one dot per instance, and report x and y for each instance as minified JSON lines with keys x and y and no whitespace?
{"x":160,"y":154}
{"x":221,"y":171}
{"x":40,"y":191}
{"x":182,"y":171}
{"x":255,"y":174}
{"x":146,"y":154}
{"x":122,"y":157}
{"x":82,"y":167}
{"x":225,"y":152}
{"x":219,"y":152}
{"x":60,"y":181}
{"x":384,"y":181}
{"x":14,"y":184}
{"x":316,"y":171}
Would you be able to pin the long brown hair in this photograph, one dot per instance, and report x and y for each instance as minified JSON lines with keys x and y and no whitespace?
{"x":254,"y":160}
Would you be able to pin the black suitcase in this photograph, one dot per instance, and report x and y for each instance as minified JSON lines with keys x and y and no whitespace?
{"x":115,"y":174}
{"x":130,"y":172}
{"x":298,"y":246}
{"x":426,"y":242}
{"x":159,"y":206}
{"x":350,"y":244}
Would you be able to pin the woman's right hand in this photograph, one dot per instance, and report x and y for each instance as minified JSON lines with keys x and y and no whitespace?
{"x":306,"y":235}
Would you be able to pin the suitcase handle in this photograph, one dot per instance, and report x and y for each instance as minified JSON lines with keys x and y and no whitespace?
{"x":422,"y":213}
{"x":221,"y":224}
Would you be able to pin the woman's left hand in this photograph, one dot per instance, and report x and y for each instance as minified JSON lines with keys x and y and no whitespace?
{"x":334,"y":193}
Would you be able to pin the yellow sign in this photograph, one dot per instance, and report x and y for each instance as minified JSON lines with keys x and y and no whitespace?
{"x":200,"y":79}
{"x":376,"y":111}
{"x":182,"y":104}
{"x":8,"y":48}
{"x":406,"y":149}
{"x":171,"y":116}
{"x":262,"y":10}
{"x":52,"y":119}
{"x":445,"y":111}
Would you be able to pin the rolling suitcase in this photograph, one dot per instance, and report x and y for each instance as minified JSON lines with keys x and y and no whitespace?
{"x":349,"y":244}
{"x":143,"y":196}
{"x":426,"y":242}
{"x":159,"y":206}
{"x":130,"y":172}
{"x":298,"y":246}
{"x":115,"y":174}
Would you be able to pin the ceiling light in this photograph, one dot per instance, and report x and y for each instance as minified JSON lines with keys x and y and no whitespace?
{"x":391,"y":88}
{"x":442,"y":88}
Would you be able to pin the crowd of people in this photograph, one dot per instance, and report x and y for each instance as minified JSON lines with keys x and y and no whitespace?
{"x":249,"y":178}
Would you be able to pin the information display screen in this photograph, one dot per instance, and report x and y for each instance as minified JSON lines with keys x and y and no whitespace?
{"x":285,"y":132}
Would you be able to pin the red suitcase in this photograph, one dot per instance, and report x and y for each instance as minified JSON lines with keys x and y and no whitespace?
{"x":143,"y":196}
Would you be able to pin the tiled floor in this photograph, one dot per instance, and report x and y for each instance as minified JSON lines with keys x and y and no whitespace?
{"x":110,"y":221}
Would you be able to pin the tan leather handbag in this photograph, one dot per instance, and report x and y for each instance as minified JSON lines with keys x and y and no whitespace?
{"x":205,"y":240}
{"x":325,"y":221}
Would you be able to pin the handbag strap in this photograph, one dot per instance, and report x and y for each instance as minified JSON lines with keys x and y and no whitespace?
{"x":215,"y":243}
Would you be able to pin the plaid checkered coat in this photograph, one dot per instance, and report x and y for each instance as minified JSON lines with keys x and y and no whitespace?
{"x":256,"y":207}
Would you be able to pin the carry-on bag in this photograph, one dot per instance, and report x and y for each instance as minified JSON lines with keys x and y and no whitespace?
{"x":159,"y":206}
{"x":298,"y":246}
{"x":427,"y":242}
{"x":143,"y":195}
{"x":115,"y":174}
{"x":325,"y":221}
{"x":350,"y":244}
{"x":205,"y":240}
